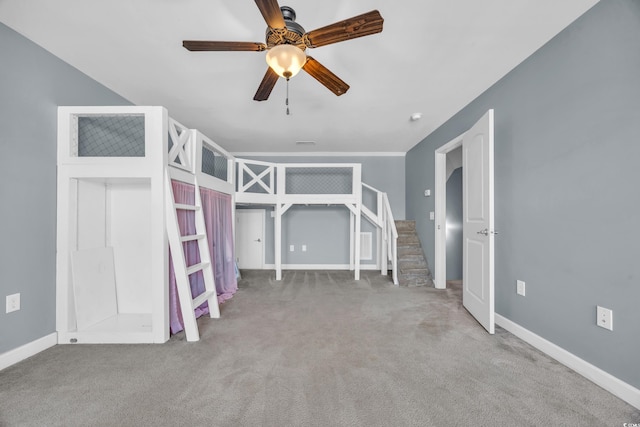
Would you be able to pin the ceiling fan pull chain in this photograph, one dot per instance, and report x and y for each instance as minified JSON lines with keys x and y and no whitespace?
{"x":287,"y":100}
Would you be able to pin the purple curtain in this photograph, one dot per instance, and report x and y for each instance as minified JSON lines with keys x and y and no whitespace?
{"x":217,"y":213}
{"x":219,"y":224}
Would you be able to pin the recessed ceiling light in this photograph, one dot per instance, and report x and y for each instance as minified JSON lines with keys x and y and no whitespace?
{"x":415,"y":116}
{"x":305,"y":143}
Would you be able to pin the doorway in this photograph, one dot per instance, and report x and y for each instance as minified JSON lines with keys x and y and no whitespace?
{"x":453,"y":219}
{"x":250,"y":226}
{"x":442,"y":156}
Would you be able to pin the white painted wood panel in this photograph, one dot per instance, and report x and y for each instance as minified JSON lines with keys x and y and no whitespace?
{"x":130,"y":235}
{"x":94,"y":286}
{"x":91,"y":225}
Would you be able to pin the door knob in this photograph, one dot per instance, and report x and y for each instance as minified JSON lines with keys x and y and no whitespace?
{"x":485,"y":232}
{"x":257,"y":240}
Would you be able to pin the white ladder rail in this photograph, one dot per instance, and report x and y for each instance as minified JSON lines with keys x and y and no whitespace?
{"x":188,"y":303}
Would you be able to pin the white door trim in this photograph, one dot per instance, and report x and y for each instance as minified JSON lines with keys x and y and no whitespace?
{"x":440,"y":261}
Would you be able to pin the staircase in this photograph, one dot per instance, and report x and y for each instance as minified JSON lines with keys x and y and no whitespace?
{"x":413,"y":267}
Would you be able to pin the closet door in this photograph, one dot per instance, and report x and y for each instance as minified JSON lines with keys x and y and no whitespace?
{"x":250,"y":238}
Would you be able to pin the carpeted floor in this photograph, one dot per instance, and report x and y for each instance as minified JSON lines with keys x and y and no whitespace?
{"x":315,"y":349}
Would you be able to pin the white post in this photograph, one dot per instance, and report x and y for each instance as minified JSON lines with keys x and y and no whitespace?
{"x":280,"y":192}
{"x":278,"y":240}
{"x":357,"y":192}
{"x":356,"y":235}
{"x":156,"y":133}
{"x":382,"y":236}
{"x":272,"y":179}
{"x":351,"y":240}
{"x":240,"y":175}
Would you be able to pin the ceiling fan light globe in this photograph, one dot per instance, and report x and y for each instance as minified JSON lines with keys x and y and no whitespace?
{"x":286,"y":60}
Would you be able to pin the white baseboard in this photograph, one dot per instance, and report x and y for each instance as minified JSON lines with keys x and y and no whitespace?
{"x":320,"y":267}
{"x":25,"y":351}
{"x":615,"y":386}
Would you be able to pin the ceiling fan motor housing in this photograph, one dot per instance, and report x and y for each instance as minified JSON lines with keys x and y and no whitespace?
{"x":288,"y":13}
{"x":293,"y":32}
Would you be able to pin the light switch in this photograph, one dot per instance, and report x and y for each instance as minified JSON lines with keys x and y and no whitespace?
{"x":292,"y":248}
{"x":432,"y":216}
{"x":427,"y":193}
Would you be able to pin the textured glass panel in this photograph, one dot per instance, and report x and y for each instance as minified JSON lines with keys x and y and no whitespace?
{"x":330,"y":180}
{"x":111,"y":136}
{"x":214,"y":164}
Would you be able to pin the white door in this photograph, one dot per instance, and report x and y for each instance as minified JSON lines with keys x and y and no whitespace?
{"x":250,"y":238}
{"x":478,"y":232}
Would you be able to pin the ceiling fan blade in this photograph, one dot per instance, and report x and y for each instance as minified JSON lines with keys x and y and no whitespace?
{"x":271,"y":13}
{"x":201,"y":45}
{"x":266,"y":86}
{"x":326,"y":77}
{"x":358,"y":26}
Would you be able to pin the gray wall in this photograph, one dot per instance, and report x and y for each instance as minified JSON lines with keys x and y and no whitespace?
{"x":325,"y":230}
{"x":454,"y":225}
{"x":32,"y":85}
{"x":567,"y":144}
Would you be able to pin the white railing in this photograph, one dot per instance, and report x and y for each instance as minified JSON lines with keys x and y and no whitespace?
{"x":187,"y":151}
{"x":387,"y":231}
{"x":295,"y":183}
{"x":255,"y":178}
{"x":182,"y":153}
{"x":319,"y":183}
{"x":391,"y":236}
{"x":222,"y":180}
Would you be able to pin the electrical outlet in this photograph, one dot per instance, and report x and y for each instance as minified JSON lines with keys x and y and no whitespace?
{"x":304,"y":248}
{"x":604,"y":318}
{"x":13,"y":302}
{"x":520,"y":287}
{"x":432,"y":216}
{"x":292,"y":248}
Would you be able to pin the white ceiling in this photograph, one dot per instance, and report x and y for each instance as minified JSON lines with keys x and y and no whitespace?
{"x":433,"y":57}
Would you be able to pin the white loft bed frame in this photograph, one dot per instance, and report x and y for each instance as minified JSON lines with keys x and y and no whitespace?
{"x":142,"y":305}
{"x":96,"y":221}
{"x":266,"y":185}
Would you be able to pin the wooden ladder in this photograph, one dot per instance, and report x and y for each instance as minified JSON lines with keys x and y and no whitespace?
{"x":188,"y":303}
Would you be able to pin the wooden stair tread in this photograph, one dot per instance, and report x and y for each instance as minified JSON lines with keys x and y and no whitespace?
{"x":413,"y":269}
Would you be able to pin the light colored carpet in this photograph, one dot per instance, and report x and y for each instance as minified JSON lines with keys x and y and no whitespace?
{"x":315,"y":349}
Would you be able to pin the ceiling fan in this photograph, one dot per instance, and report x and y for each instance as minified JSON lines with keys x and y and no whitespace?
{"x":286,"y":42}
